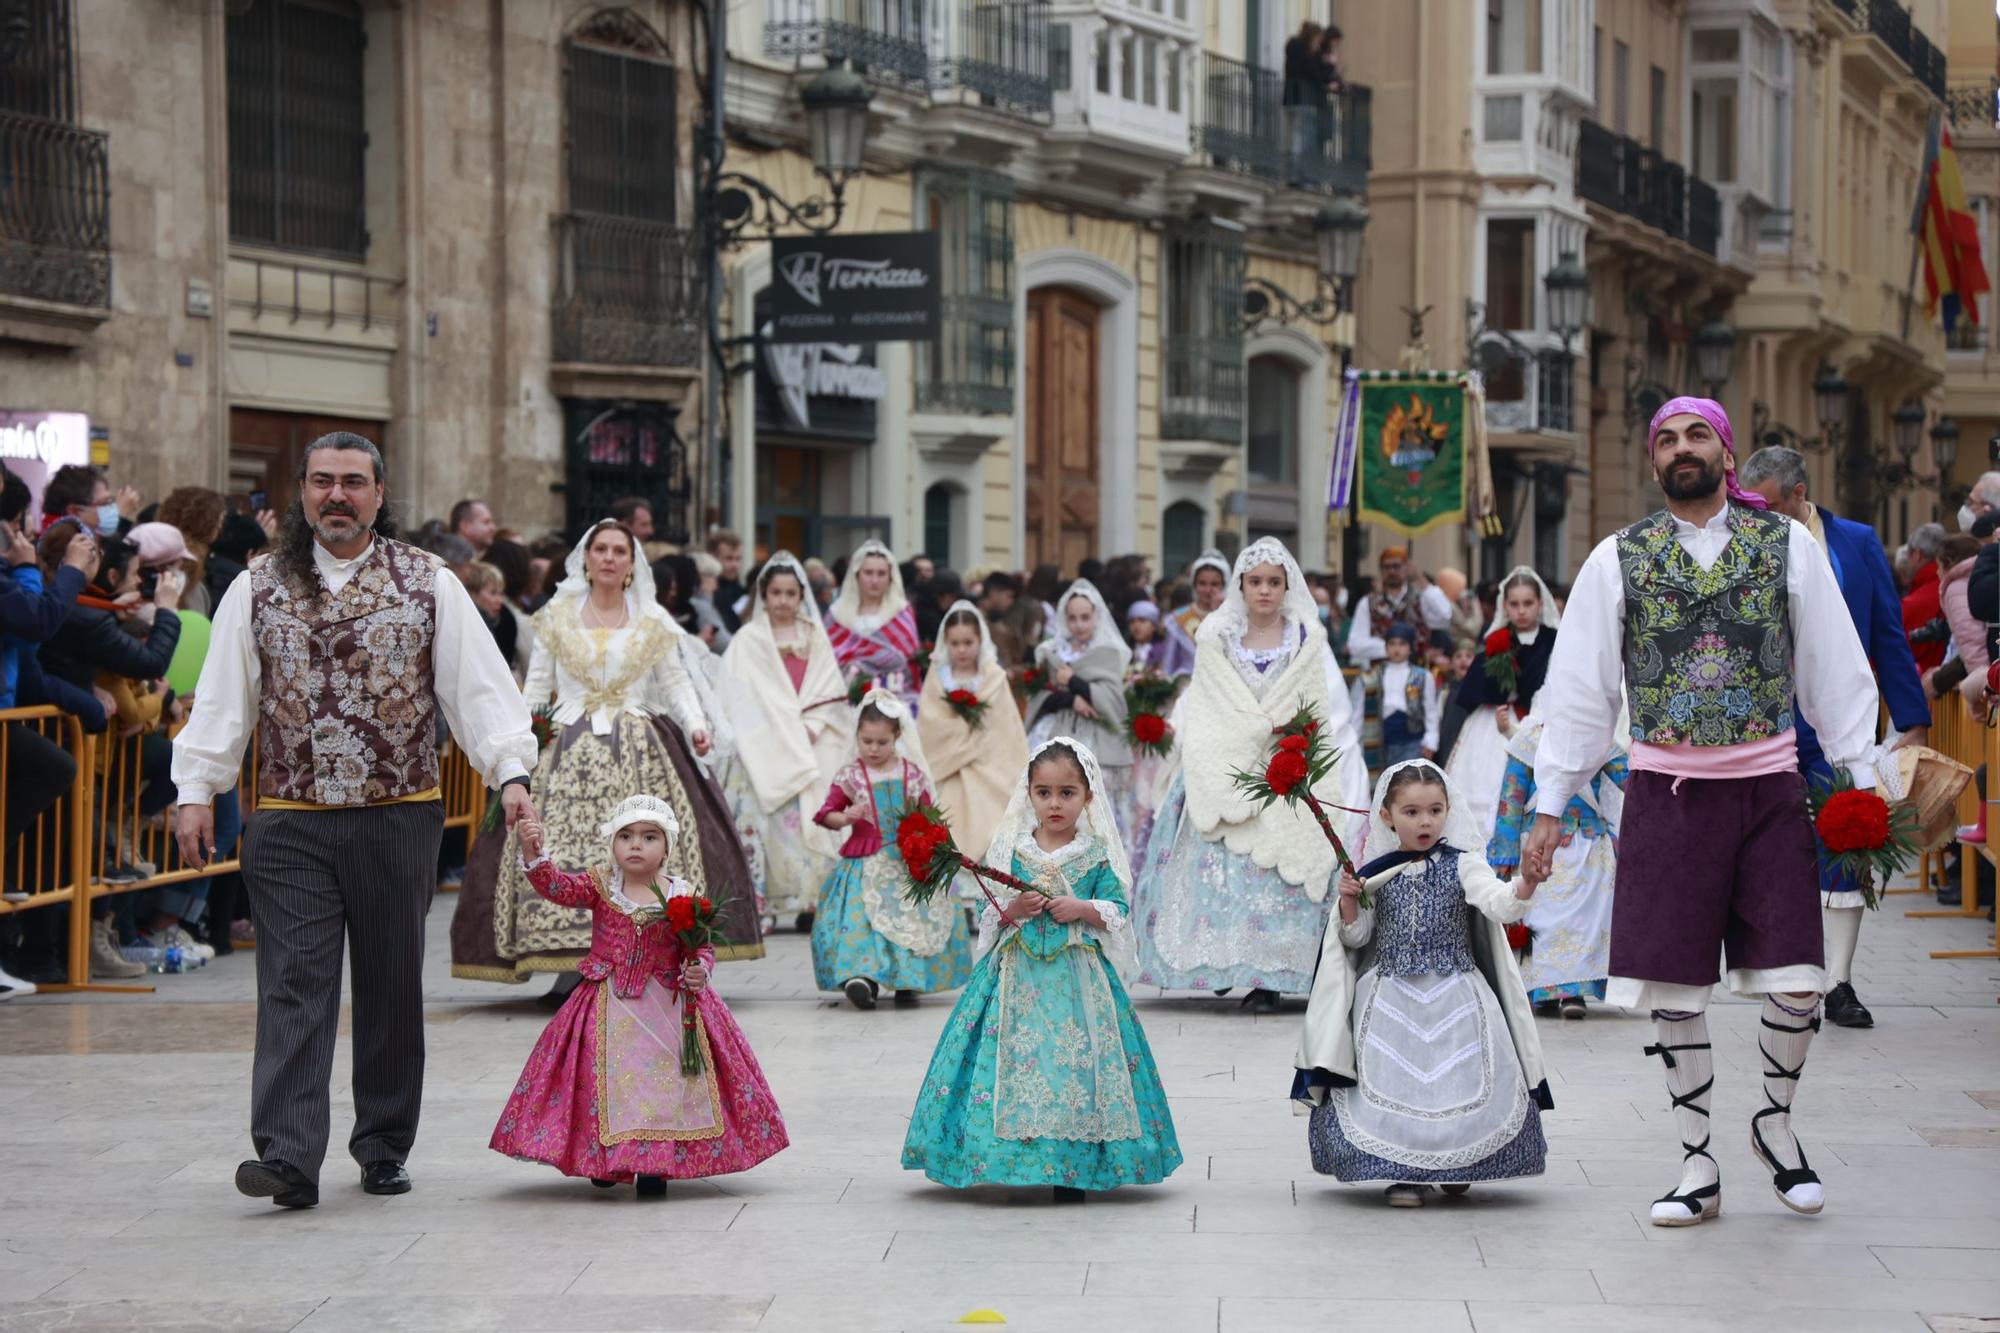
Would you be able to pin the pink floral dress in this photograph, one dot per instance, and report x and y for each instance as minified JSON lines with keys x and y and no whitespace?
{"x":603,"y":1095}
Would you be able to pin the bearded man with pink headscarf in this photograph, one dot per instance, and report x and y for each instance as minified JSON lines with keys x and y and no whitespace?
{"x":1713,"y":617}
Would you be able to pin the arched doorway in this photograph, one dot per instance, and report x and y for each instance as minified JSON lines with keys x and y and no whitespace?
{"x":1061,"y":448}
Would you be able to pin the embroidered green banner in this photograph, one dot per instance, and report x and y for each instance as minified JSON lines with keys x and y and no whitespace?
{"x":1411,"y":442}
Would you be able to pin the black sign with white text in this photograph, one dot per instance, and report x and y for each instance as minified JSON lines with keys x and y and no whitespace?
{"x":880,"y":287}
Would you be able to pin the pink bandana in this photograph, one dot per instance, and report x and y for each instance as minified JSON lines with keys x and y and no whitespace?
{"x":1712,"y":412}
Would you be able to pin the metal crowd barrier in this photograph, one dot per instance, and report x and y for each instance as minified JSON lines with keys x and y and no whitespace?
{"x":63,"y":855}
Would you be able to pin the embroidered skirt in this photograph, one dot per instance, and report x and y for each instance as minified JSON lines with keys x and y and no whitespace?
{"x":846,"y":944}
{"x":603,"y":1095}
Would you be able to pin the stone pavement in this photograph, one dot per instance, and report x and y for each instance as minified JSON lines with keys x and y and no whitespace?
{"x":122,"y":1118}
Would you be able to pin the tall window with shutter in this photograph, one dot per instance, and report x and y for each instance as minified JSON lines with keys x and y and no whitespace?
{"x":296,"y":142}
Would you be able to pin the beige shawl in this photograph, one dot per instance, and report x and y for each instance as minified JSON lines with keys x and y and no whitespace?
{"x":789,"y":749}
{"x":974,"y":771}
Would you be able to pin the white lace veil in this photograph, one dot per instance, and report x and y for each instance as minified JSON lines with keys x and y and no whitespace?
{"x":1018,"y":822}
{"x":1210,"y":559}
{"x":908,"y":745}
{"x":1104,"y":635}
{"x":1234,"y":613}
{"x":576,"y":574}
{"x":988,"y":655}
{"x":847,"y":607}
{"x":1460,"y":829}
{"x":1550,"y":616}
{"x":808,"y":608}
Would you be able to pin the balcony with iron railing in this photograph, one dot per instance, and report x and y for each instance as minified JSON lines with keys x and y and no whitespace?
{"x":628,"y":292}
{"x":998,"y":51}
{"x":55,"y":212}
{"x":1331,"y":148}
{"x":886,"y":38}
{"x":1618,"y":173}
{"x":1704,"y":215}
{"x":1238,"y":125}
{"x":1890,"y":22}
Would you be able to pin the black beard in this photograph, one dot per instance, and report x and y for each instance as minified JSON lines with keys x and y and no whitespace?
{"x":1704,"y":483}
{"x":294,"y":555}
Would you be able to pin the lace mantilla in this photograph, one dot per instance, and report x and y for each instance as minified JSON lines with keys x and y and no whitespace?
{"x":1260,"y":666}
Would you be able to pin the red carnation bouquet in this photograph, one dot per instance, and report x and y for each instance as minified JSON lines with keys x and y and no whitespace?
{"x":1146,"y":701}
{"x":1867,"y":840}
{"x":1503,"y":661}
{"x":931,"y":860}
{"x":1520,"y":938}
{"x":1030,"y":680}
{"x":695,"y":921}
{"x":971,"y":710}
{"x":1300,"y":758}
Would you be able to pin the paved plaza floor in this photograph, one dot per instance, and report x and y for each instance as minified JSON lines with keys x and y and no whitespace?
{"x":122,"y":1119}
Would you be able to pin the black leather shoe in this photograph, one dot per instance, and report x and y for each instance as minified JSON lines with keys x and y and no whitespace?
{"x":651,"y":1187}
{"x":385,"y":1178}
{"x":280,"y":1182}
{"x":1844,"y":1008}
{"x":1261,"y":1001}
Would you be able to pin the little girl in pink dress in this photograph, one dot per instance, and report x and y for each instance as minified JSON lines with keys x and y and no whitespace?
{"x":603,"y":1094}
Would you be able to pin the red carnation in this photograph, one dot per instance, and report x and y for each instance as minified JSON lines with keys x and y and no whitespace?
{"x":1312,"y":729}
{"x":1294,"y":744}
{"x":1286,"y":770}
{"x":963,"y":698}
{"x":1853,"y":821}
{"x":1499,"y":641}
{"x":680,"y":914}
{"x":1150,"y":728}
{"x":1518,"y":935}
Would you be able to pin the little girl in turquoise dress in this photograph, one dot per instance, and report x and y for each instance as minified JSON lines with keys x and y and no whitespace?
{"x":867,"y":935}
{"x":1043,"y":1075}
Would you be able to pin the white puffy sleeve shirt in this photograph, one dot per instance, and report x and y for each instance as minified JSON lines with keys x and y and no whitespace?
{"x":1834,"y":683}
{"x":475,"y":689}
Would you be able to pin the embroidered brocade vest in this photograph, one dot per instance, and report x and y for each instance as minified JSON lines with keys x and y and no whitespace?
{"x":347,"y":709}
{"x":1422,"y":924}
{"x":1385,"y":611}
{"x":1708,"y":653}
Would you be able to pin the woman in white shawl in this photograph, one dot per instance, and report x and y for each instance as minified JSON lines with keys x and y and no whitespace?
{"x":1427,"y":1070}
{"x":794,"y":728}
{"x":1233,"y":892}
{"x":974,"y":767}
{"x":610,"y":671}
{"x":1084,"y":693}
{"x":1500,"y":690}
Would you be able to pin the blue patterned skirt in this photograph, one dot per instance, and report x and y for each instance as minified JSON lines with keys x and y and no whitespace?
{"x":845,"y":944}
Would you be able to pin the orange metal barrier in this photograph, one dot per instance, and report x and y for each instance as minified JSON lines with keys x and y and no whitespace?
{"x":63,"y":856}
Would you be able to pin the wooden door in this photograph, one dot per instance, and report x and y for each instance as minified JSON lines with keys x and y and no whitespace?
{"x":1062,"y":444}
{"x":265,"y":449}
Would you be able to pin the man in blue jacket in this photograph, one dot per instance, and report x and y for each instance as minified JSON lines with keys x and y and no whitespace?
{"x":1869,"y":587}
{"x":38,"y":770}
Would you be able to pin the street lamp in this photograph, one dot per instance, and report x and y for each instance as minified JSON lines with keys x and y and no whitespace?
{"x":1908,"y":430}
{"x":1568,"y":287}
{"x":1944,"y":445}
{"x":1337,"y":233}
{"x":1830,"y":399}
{"x":836,"y":104}
{"x":1714,"y":354}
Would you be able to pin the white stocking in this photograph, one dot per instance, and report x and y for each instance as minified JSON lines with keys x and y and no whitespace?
{"x":1684,"y":1047}
{"x":1843,"y":932}
{"x":1784,"y":1035}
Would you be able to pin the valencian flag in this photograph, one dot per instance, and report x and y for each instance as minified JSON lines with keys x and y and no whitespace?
{"x":1410,"y":450}
{"x":1954,"y":271}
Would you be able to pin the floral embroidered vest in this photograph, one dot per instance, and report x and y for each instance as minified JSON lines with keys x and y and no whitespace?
{"x":347,"y":711}
{"x":1708,"y":653}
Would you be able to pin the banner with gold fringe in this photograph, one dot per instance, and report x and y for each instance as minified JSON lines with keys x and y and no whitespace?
{"x":1410,"y":451}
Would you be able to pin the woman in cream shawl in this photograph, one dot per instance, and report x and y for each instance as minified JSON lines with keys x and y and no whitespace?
{"x":788,"y":705}
{"x":973,"y":768}
{"x":1233,"y":892}
{"x":1084,"y":695}
{"x":611,"y":671}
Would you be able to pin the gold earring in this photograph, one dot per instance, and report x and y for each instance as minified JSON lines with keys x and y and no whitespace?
{"x":628,"y":580}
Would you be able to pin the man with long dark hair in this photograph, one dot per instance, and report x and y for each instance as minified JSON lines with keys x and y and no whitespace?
{"x":340,"y":651}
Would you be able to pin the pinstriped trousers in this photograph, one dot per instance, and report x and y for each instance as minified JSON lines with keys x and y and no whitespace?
{"x":316,"y":879}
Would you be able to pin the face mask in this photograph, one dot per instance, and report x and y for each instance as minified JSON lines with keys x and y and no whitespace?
{"x":1966,"y":518}
{"x":1325,"y":615}
{"x":107,"y":520}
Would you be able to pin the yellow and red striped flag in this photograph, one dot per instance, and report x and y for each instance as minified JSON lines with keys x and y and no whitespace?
{"x":1954,"y":270}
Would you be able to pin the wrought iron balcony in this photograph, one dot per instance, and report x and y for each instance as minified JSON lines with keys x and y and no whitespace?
{"x":628,"y":292}
{"x":1334,"y":154}
{"x":995,"y":49}
{"x":1891,"y":22}
{"x":1617,"y":173}
{"x":1238,"y":122}
{"x":885,"y":37}
{"x":1662,"y":191}
{"x":55,"y":211}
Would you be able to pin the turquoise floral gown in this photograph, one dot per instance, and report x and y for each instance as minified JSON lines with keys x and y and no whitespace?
{"x":1043,"y":1075}
{"x":865,"y":926}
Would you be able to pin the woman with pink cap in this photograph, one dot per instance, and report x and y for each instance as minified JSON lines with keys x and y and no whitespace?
{"x":1716,"y":857}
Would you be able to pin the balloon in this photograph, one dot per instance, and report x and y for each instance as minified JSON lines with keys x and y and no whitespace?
{"x":1450,"y":581}
{"x":185,"y":670}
